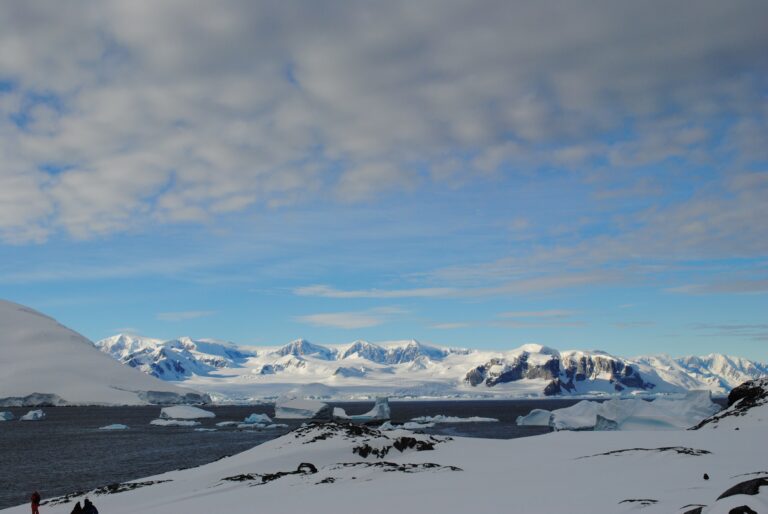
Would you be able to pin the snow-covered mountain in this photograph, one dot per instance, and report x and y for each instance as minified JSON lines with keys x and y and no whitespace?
{"x":413,"y":369}
{"x":176,"y":359}
{"x":44,"y":362}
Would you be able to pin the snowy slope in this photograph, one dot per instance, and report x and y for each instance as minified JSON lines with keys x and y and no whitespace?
{"x":41,"y":356}
{"x":333,"y":468}
{"x":362,"y":369}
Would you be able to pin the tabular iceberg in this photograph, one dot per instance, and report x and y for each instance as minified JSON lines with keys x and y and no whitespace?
{"x":301,"y":409}
{"x":379,"y":412}
{"x":627,"y":414}
{"x":185,"y":412}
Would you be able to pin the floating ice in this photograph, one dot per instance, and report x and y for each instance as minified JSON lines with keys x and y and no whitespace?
{"x":174,"y":422}
{"x":6,"y":416}
{"x":258,"y":418}
{"x":116,"y":426}
{"x":627,"y":414}
{"x":33,"y":415}
{"x":185,"y":412}
{"x":453,"y":419}
{"x":379,"y":412}
{"x":301,"y":409}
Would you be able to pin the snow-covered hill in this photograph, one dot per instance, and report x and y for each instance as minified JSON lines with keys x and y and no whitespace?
{"x":44,"y":362}
{"x":413,"y":369}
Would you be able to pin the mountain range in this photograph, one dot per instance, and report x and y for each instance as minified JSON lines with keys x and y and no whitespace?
{"x":362,"y":369}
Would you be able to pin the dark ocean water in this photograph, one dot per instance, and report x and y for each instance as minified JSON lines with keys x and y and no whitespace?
{"x":67,"y":452}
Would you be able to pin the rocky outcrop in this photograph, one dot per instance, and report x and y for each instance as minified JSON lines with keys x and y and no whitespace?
{"x":33,"y":400}
{"x":564,"y":372}
{"x":742,"y":401}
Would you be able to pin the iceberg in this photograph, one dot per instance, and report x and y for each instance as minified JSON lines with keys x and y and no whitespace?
{"x":301,"y":409}
{"x":174,"y":422}
{"x":379,"y":412}
{"x":535,"y":418}
{"x":257,"y":418}
{"x":33,"y":415}
{"x":627,"y":414}
{"x":185,"y":412}
{"x":116,"y":426}
{"x":6,"y":416}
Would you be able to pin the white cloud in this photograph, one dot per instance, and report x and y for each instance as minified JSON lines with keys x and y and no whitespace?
{"x":330,"y":292}
{"x":184,"y":111}
{"x":351,"y":320}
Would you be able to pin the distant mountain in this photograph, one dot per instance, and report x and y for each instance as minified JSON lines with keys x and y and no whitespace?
{"x":46,"y":363}
{"x":411,"y":368}
{"x":176,"y":359}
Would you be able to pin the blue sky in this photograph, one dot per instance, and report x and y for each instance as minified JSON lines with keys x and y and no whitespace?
{"x":579,"y":174}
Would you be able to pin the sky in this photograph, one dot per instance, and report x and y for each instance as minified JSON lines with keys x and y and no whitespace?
{"x":484,"y":174}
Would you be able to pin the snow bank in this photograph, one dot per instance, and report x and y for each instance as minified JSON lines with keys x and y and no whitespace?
{"x":379,"y":412}
{"x":627,"y":414}
{"x":116,"y":426}
{"x":258,"y":418}
{"x":33,"y":415}
{"x":453,"y":419}
{"x":301,"y":409}
{"x":185,"y":412}
{"x":174,"y":422}
{"x":6,"y":416}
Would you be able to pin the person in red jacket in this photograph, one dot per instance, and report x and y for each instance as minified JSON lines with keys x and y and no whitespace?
{"x":35,"y":501}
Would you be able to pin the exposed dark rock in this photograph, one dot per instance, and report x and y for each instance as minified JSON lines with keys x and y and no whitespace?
{"x":706,"y":476}
{"x":391,"y":466}
{"x":305,"y":468}
{"x":696,"y":510}
{"x":743,"y":509}
{"x":749,"y":487}
{"x":640,"y":501}
{"x":680,"y":450}
{"x":741,"y":399}
{"x":107,"y":489}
